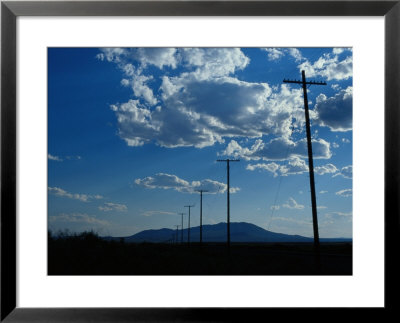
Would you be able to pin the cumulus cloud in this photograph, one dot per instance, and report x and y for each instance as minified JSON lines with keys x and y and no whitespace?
{"x":81,"y":197}
{"x":330,"y":67}
{"x":279,"y":149}
{"x":276,"y":53}
{"x":168,"y":181}
{"x":336,"y":112}
{"x":345,"y":193}
{"x":292,"y":204}
{"x":113,"y":207}
{"x":202,"y":105}
{"x":346,"y":172}
{"x":325,"y":169}
{"x":295,"y":165}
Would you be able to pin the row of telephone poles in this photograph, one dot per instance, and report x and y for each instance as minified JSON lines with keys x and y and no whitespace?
{"x":201,"y":208}
{"x":305,"y":84}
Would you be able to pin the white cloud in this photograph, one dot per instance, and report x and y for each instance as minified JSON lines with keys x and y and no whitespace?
{"x":346,"y":172}
{"x":271,"y":167}
{"x":323,"y":192}
{"x":330,"y":67}
{"x":345,"y":193}
{"x":325,"y":169}
{"x":295,"y":165}
{"x":113,"y":207}
{"x":336,"y":112}
{"x":275,"y":53}
{"x":55,"y":158}
{"x":81,"y":197}
{"x":292,"y":204}
{"x":151,"y":213}
{"x":202,"y":105}
{"x":275,"y":207}
{"x":279,"y":149}
{"x":339,"y":214}
{"x":168,"y":181}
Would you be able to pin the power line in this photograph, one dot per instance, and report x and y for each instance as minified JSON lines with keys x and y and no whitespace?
{"x":227,"y":199}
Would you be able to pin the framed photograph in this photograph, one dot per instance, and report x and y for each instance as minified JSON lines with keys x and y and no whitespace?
{"x":153,"y":145}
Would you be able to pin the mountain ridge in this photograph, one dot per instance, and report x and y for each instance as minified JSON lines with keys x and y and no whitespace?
{"x":240,"y":232}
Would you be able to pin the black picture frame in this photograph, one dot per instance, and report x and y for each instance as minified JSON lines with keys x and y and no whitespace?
{"x":10,"y":10}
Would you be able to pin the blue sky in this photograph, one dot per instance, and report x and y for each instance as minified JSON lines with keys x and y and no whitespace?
{"x":133,"y":133}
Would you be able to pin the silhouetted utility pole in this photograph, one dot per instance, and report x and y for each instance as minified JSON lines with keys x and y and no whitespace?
{"x":182,"y":227}
{"x":227,"y":199}
{"x":177,"y":226}
{"x":304,"y":84}
{"x":201,"y":214}
{"x":189,"y":206}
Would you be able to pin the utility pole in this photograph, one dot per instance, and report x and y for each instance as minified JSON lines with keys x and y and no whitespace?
{"x":304,"y":84}
{"x":182,"y":227}
{"x":189,"y":206}
{"x":227,"y":199}
{"x":201,"y":214}
{"x":177,"y":226}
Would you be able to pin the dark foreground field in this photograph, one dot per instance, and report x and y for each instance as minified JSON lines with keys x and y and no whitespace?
{"x":89,"y":255}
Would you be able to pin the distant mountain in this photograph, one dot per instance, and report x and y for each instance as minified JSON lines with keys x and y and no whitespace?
{"x":240,"y":232}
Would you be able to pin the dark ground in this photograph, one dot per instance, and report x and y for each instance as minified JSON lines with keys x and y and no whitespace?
{"x":87,"y":254}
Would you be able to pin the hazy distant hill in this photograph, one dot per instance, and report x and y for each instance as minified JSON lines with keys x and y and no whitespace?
{"x":240,"y":232}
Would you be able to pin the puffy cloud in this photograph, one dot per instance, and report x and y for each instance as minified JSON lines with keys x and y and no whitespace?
{"x":202,"y":105}
{"x":345,"y":193}
{"x":346,"y":172}
{"x":292,"y":204}
{"x":271,"y":167}
{"x":330,"y":67}
{"x":295,"y":165}
{"x":168,"y":181}
{"x":81,"y":197}
{"x":113,"y":207}
{"x":336,"y":112}
{"x":276,"y":53}
{"x":325,"y":169}
{"x":279,"y":149}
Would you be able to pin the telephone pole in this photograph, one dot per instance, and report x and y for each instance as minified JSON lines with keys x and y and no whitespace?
{"x":201,"y":214}
{"x":304,"y":84}
{"x":227,"y":199}
{"x":182,"y":227}
{"x":189,"y":206}
{"x":177,"y":226}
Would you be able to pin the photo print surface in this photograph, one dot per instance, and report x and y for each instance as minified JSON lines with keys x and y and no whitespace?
{"x":200,"y":161}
